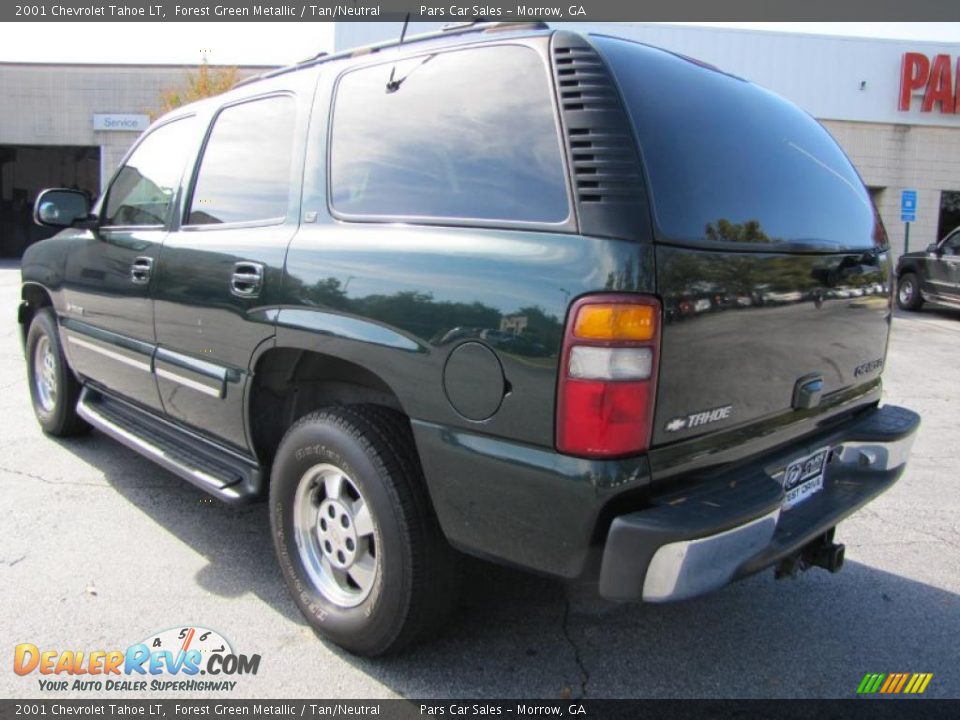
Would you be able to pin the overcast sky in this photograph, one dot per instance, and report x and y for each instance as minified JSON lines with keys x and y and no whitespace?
{"x":244,"y":43}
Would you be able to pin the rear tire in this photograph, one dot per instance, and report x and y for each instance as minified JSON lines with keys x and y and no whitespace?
{"x":357,"y":540}
{"x":54,"y":390}
{"x":908,"y":292}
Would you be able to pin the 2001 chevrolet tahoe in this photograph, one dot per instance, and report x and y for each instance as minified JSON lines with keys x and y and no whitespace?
{"x":562,"y":301}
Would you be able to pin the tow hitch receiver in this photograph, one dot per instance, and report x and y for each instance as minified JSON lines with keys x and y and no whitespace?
{"x":822,"y":552}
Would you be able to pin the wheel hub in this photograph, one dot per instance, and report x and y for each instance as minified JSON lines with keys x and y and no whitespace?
{"x":336,"y":533}
{"x":45,"y":374}
{"x":906,"y":292}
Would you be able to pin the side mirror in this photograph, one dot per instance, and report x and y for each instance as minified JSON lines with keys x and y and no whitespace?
{"x":933,"y":249}
{"x":61,"y":207}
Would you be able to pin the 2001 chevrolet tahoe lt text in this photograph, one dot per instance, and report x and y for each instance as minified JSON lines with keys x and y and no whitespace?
{"x":566,"y":302}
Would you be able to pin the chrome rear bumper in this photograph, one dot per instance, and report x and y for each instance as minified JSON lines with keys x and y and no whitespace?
{"x":699,"y":540}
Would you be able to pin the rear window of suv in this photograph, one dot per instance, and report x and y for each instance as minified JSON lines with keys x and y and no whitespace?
{"x":465,"y":134}
{"x":729,"y":162}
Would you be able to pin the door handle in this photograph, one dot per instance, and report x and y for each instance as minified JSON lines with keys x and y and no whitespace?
{"x":247,"y":279}
{"x":140,"y":270}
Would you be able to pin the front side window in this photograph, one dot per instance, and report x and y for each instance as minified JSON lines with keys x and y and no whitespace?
{"x":468,"y":134}
{"x":144,"y":190}
{"x":951,"y":246}
{"x":244,"y":174}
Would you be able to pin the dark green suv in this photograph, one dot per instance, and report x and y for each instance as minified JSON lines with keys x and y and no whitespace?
{"x":566,"y":302}
{"x":930,"y":275}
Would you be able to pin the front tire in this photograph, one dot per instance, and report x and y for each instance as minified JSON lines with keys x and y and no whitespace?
{"x":357,"y":541}
{"x":908,"y":292}
{"x":54,"y":390}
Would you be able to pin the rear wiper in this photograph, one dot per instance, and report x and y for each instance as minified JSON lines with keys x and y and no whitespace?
{"x":394,"y":85}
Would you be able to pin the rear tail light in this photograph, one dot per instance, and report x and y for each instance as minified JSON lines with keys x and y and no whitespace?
{"x":608,"y":376}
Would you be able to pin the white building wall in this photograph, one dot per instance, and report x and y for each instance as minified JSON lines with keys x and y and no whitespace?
{"x":896,"y":157}
{"x":55,"y":104}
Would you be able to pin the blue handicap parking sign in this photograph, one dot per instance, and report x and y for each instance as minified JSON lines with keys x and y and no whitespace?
{"x":908,"y":206}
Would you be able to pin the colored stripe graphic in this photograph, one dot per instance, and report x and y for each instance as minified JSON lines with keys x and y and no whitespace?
{"x":903,"y":680}
{"x":892,"y":680}
{"x":918,"y":683}
{"x":894,"y":683}
{"x":870,"y":683}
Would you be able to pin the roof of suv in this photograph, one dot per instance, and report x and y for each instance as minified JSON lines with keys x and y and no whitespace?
{"x":441,"y":37}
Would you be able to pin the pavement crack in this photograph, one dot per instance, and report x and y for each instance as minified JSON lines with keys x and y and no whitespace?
{"x":40,"y":478}
{"x":11,"y":563}
{"x":565,"y":626}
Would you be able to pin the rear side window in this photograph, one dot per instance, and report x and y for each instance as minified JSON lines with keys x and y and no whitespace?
{"x":143,"y":191}
{"x":468,"y":134}
{"x":244,"y":173}
{"x":730,"y":162}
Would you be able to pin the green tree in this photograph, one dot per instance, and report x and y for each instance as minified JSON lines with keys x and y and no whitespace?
{"x":202,"y":82}
{"x":749,"y":232}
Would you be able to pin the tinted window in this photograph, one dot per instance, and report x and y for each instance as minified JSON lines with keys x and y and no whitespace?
{"x":466,"y":134}
{"x":951,"y":246}
{"x":146,"y":185}
{"x":245,"y":170}
{"x":729,"y":161}
{"x":949,"y":212}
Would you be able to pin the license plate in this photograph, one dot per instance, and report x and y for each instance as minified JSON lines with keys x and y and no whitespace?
{"x":803,"y":478}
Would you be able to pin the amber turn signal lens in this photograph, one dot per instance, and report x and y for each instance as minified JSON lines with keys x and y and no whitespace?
{"x":615,"y":322}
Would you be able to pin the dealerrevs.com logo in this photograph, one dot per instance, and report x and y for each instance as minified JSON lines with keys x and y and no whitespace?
{"x":179,"y":659}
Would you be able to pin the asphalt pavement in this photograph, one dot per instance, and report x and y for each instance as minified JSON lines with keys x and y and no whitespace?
{"x":100,"y":549}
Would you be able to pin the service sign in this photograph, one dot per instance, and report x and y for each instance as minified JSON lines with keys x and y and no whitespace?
{"x":120,"y":122}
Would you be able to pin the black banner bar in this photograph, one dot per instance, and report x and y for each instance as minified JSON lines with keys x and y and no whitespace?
{"x":868,"y":709}
{"x":465,"y":10}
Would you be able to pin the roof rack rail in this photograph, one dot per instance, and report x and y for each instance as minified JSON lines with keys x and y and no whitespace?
{"x":452,"y":26}
{"x":279,"y":71}
{"x":477,"y":25}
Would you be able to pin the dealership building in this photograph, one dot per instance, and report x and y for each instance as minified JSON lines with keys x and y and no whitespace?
{"x":894,"y":106}
{"x":70,"y":126}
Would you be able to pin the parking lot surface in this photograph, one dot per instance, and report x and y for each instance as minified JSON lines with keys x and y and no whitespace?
{"x":100,"y":549}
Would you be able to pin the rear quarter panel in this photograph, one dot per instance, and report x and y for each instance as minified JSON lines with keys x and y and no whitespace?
{"x":399,"y":300}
